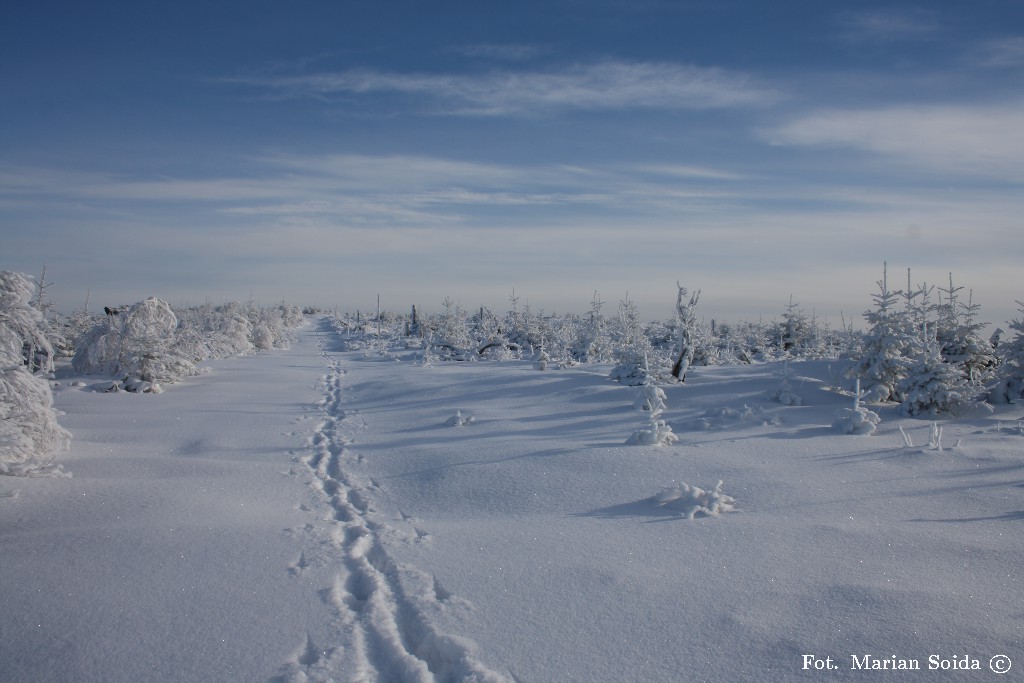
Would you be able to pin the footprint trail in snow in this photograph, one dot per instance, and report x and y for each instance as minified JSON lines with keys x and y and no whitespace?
{"x":383,"y":629}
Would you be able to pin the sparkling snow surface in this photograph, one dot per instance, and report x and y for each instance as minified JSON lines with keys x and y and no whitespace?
{"x":317,"y":515}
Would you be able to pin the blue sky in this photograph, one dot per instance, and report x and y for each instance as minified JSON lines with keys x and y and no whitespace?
{"x":325,"y":152}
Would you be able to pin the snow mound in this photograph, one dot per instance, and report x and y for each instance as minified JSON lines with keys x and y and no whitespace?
{"x":719,"y":418}
{"x":691,"y":501}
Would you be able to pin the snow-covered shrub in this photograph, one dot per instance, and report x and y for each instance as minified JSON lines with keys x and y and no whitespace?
{"x":655,"y":433}
{"x":1010,"y":386}
{"x":686,"y":319}
{"x":691,"y":501}
{"x":136,"y":343}
{"x":887,"y":345}
{"x":226,"y":331}
{"x":29,"y":433}
{"x":856,"y":420}
{"x":632,"y":347}
{"x":959,"y":335}
{"x":784,"y":394}
{"x":460,"y":420}
{"x":593,"y":344}
{"x":934,"y":386}
{"x":24,"y":322}
{"x":650,"y":397}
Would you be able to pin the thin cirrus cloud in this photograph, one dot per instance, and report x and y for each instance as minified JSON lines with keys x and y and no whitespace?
{"x":887,"y":25}
{"x":501,"y":52}
{"x":380,"y":190}
{"x":976,"y":140}
{"x":1001,"y":53}
{"x":605,"y":85}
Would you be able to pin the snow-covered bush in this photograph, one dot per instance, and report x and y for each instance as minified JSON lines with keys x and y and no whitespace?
{"x":686,"y":319}
{"x":887,"y":345}
{"x":856,"y":420}
{"x":593,"y":345}
{"x":934,"y":386}
{"x":784,"y":394}
{"x":24,"y":322}
{"x":29,"y":433}
{"x":137,"y":343}
{"x":650,"y":397}
{"x":691,"y":501}
{"x":959,"y":335}
{"x":1010,"y":386}
{"x":632,"y":347}
{"x":655,"y":433}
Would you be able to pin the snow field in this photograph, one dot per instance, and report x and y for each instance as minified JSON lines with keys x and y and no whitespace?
{"x":547,"y":524}
{"x":317,"y":514}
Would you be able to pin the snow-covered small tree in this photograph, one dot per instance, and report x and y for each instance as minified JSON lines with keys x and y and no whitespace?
{"x":650,"y":397}
{"x":1010,"y":385}
{"x":794,"y":330}
{"x":25,"y":322}
{"x":784,"y":394}
{"x":29,"y":432}
{"x":686,"y":321}
{"x":887,"y":345}
{"x":691,"y":501}
{"x":655,"y":433}
{"x":856,"y":420}
{"x":594,"y":344}
{"x":933,"y":386}
{"x":960,"y":339}
{"x":136,"y":344}
{"x":633,"y":348}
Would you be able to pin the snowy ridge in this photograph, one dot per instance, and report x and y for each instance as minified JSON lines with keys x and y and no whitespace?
{"x":383,"y":630}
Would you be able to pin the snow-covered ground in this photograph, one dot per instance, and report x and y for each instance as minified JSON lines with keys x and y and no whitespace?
{"x":317,"y":514}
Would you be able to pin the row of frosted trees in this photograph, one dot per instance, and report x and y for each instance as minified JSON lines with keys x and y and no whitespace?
{"x":603,"y":335}
{"x":138,"y":346}
{"x":923,"y":348}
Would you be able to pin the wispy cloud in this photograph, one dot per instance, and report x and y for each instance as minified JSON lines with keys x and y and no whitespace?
{"x":613,"y":85}
{"x":501,"y":52}
{"x":1000,"y":53}
{"x":980,"y":140}
{"x":886,"y":25}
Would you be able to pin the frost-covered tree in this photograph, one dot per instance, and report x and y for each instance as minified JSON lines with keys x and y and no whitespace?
{"x":650,"y":397}
{"x":1010,"y":384}
{"x":794,"y":330}
{"x":24,"y":321}
{"x":136,"y":343}
{"x":632,"y":347}
{"x":934,"y":386}
{"x":29,"y":432}
{"x":959,"y":336}
{"x":887,"y":345}
{"x":857,"y":420}
{"x":595,"y":344}
{"x":686,"y":322}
